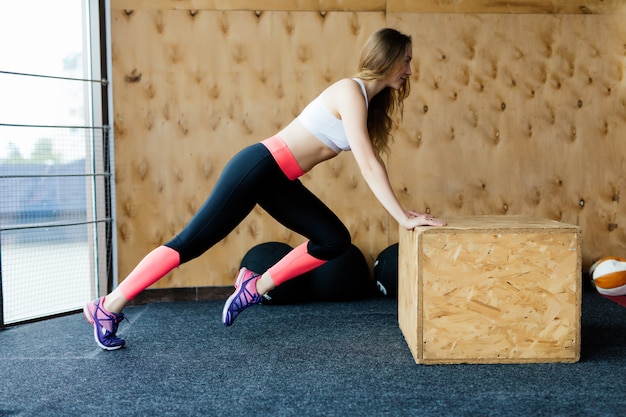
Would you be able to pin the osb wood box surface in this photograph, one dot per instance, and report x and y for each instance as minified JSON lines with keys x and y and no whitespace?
{"x":491,"y":289}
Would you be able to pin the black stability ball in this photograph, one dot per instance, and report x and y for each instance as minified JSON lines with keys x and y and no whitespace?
{"x":261,"y":257}
{"x":344,"y":278}
{"x":386,"y":271}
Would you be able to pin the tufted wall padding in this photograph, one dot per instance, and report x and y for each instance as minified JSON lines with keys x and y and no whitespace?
{"x":518,"y":114}
{"x":192,"y":90}
{"x":515,"y":113}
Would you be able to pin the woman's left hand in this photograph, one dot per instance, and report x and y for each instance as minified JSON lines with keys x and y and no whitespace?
{"x":421,"y":219}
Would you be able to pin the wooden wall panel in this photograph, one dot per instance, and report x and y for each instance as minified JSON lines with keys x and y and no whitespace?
{"x":509,"y":113}
{"x":390,"y":6}
{"x":505,"y":7}
{"x":259,"y":5}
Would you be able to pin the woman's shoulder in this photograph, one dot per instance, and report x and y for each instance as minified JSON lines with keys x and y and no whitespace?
{"x":345,"y":88}
{"x":346,"y":83}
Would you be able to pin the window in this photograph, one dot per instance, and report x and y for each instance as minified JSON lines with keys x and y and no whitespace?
{"x":55,"y":174}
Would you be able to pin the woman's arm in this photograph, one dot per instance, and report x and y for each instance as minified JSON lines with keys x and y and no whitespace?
{"x":375,"y":174}
{"x":352,"y":108}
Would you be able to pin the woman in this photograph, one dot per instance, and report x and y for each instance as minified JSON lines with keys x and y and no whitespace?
{"x":352,"y":114}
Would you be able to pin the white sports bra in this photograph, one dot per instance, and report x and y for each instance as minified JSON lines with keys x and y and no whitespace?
{"x":317,"y":119}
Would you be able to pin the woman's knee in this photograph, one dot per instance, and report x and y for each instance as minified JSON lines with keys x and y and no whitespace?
{"x":332,"y":246}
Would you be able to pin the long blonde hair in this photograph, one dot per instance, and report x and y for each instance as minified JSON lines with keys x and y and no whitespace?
{"x":383,"y":49}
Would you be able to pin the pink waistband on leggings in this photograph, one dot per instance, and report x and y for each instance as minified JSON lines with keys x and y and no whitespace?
{"x":283,"y":156}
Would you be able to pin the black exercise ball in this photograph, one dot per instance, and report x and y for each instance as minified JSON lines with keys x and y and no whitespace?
{"x":344,"y":278}
{"x":261,"y":257}
{"x":386,"y":271}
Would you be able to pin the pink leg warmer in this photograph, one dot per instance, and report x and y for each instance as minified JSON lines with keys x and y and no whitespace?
{"x":295,"y":263}
{"x":151,"y":269}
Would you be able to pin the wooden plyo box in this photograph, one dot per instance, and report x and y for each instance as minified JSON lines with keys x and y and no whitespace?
{"x":491,"y":289}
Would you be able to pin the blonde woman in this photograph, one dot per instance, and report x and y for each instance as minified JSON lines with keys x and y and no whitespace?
{"x":352,"y":114}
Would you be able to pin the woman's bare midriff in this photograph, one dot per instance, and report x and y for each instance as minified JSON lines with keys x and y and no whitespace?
{"x":306,"y":148}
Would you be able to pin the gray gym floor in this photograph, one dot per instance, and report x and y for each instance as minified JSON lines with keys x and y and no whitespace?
{"x":316,"y":359}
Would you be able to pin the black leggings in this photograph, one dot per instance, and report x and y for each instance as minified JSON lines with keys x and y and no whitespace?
{"x":253,"y":177}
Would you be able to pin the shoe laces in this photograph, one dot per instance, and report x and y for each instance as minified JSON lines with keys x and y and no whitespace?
{"x":109,"y":320}
{"x":247,"y":296}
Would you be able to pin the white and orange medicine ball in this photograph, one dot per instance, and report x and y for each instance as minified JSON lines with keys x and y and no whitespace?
{"x":609,"y":275}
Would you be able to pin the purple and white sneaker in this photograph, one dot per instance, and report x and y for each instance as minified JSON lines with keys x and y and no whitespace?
{"x":104,"y":324}
{"x":245,"y":295}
